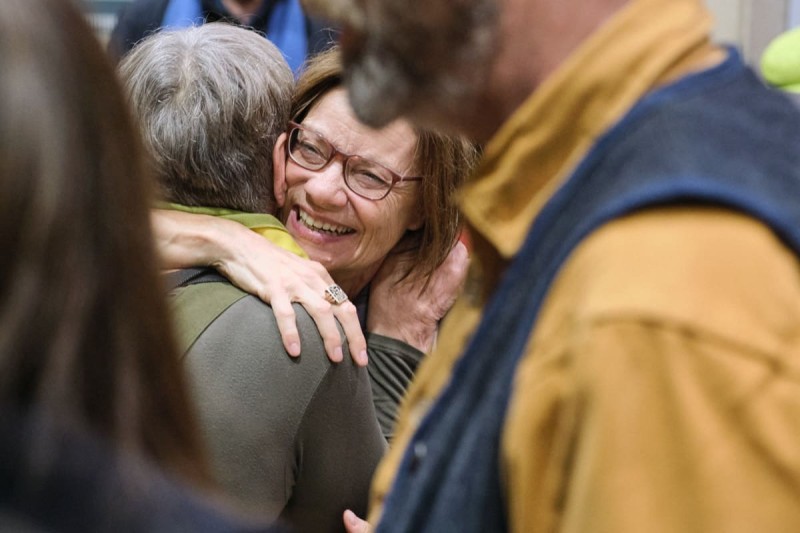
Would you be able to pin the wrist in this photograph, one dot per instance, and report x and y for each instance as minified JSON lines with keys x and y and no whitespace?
{"x":419,"y":336}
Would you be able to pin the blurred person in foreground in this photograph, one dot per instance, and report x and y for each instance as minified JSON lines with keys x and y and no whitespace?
{"x":291,"y":437}
{"x":96,"y":429}
{"x":625,"y":356}
{"x":282,"y":21}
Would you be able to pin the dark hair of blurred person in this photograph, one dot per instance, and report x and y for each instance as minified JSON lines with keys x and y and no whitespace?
{"x":86,"y":347}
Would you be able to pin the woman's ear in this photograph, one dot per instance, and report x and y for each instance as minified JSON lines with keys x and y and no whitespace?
{"x":279,"y":169}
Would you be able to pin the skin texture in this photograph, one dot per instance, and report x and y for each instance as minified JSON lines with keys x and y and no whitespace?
{"x":372,"y":228}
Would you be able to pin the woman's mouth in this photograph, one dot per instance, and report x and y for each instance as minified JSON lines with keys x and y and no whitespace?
{"x":324,"y":227}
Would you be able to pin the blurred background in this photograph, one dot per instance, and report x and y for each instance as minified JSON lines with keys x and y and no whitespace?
{"x":751,"y":24}
{"x":103,"y":15}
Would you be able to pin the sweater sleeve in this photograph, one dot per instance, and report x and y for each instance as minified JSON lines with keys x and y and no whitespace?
{"x":392,"y":365}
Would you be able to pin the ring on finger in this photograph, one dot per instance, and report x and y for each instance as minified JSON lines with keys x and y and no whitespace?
{"x":335,"y":295}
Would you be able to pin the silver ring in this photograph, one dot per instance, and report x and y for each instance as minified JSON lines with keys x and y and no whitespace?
{"x":335,"y":295}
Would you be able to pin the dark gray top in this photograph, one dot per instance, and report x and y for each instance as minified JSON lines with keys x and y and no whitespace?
{"x":392,"y":365}
{"x":295,"y":438}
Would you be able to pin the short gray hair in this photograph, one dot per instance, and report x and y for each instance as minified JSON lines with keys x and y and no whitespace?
{"x":211,"y":102}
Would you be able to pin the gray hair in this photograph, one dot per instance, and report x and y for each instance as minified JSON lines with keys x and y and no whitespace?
{"x":211,"y":102}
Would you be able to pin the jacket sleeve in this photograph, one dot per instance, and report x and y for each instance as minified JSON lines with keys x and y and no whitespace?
{"x":391,"y":368}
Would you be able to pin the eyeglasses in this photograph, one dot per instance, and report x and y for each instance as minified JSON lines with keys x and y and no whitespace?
{"x":366,"y":178}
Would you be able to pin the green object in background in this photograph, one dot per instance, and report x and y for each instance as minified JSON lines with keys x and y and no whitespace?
{"x":780,"y":63}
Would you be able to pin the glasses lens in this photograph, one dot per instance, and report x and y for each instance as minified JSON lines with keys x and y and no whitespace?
{"x":368,"y":179}
{"x":309,"y":149}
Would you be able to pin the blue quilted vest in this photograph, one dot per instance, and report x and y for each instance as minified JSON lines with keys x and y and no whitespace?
{"x":718,"y":137}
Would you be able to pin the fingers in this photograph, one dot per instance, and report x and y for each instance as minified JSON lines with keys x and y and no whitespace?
{"x":287,"y":324}
{"x":310,"y":295}
{"x":347,"y":315}
{"x":322,"y":313}
{"x":453,"y":271}
{"x":458,"y":257}
{"x":325,"y":316}
{"x":353,"y":524}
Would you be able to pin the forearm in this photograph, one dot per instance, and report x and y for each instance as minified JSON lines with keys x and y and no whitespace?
{"x":187,"y":240}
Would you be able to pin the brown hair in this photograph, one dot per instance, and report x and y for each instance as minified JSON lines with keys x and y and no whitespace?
{"x":84,"y":331}
{"x":211,"y":102}
{"x":444,"y":161}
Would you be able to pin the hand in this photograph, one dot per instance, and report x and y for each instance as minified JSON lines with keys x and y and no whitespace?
{"x":401,"y":310}
{"x":354,"y":524}
{"x":259,"y":267}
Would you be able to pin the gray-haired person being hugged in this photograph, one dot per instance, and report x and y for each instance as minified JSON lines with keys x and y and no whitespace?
{"x":291,"y":437}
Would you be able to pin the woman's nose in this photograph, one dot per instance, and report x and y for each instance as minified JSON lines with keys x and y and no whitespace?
{"x":326,"y":188}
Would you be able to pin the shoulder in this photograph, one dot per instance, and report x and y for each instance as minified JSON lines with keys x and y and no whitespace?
{"x":246,"y":329}
{"x":242,"y":343}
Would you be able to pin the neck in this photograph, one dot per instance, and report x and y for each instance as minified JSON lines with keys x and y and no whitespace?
{"x":534,"y":39}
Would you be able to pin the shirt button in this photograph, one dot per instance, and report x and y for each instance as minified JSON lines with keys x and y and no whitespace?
{"x":418,"y":453}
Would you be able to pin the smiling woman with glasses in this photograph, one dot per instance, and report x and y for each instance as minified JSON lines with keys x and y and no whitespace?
{"x":374,"y":207}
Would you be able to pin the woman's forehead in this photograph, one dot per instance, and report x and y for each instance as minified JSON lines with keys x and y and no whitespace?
{"x":333,"y":117}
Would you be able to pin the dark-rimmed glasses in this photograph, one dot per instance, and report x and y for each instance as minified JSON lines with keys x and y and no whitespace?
{"x":366,"y":178}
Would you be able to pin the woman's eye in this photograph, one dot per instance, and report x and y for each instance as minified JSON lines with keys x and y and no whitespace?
{"x":371,"y":179}
{"x":310,"y":150}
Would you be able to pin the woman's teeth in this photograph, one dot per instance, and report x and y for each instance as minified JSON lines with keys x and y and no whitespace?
{"x":306,"y":219}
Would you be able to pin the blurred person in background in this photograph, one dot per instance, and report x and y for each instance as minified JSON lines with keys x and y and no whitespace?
{"x":282,"y":21}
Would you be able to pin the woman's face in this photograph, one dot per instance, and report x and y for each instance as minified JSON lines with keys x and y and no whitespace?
{"x":348,"y":234}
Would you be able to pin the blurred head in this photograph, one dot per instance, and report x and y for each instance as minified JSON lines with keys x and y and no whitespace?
{"x":422,"y":59}
{"x":348,"y":233}
{"x":211,"y":102}
{"x":84,"y":332}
